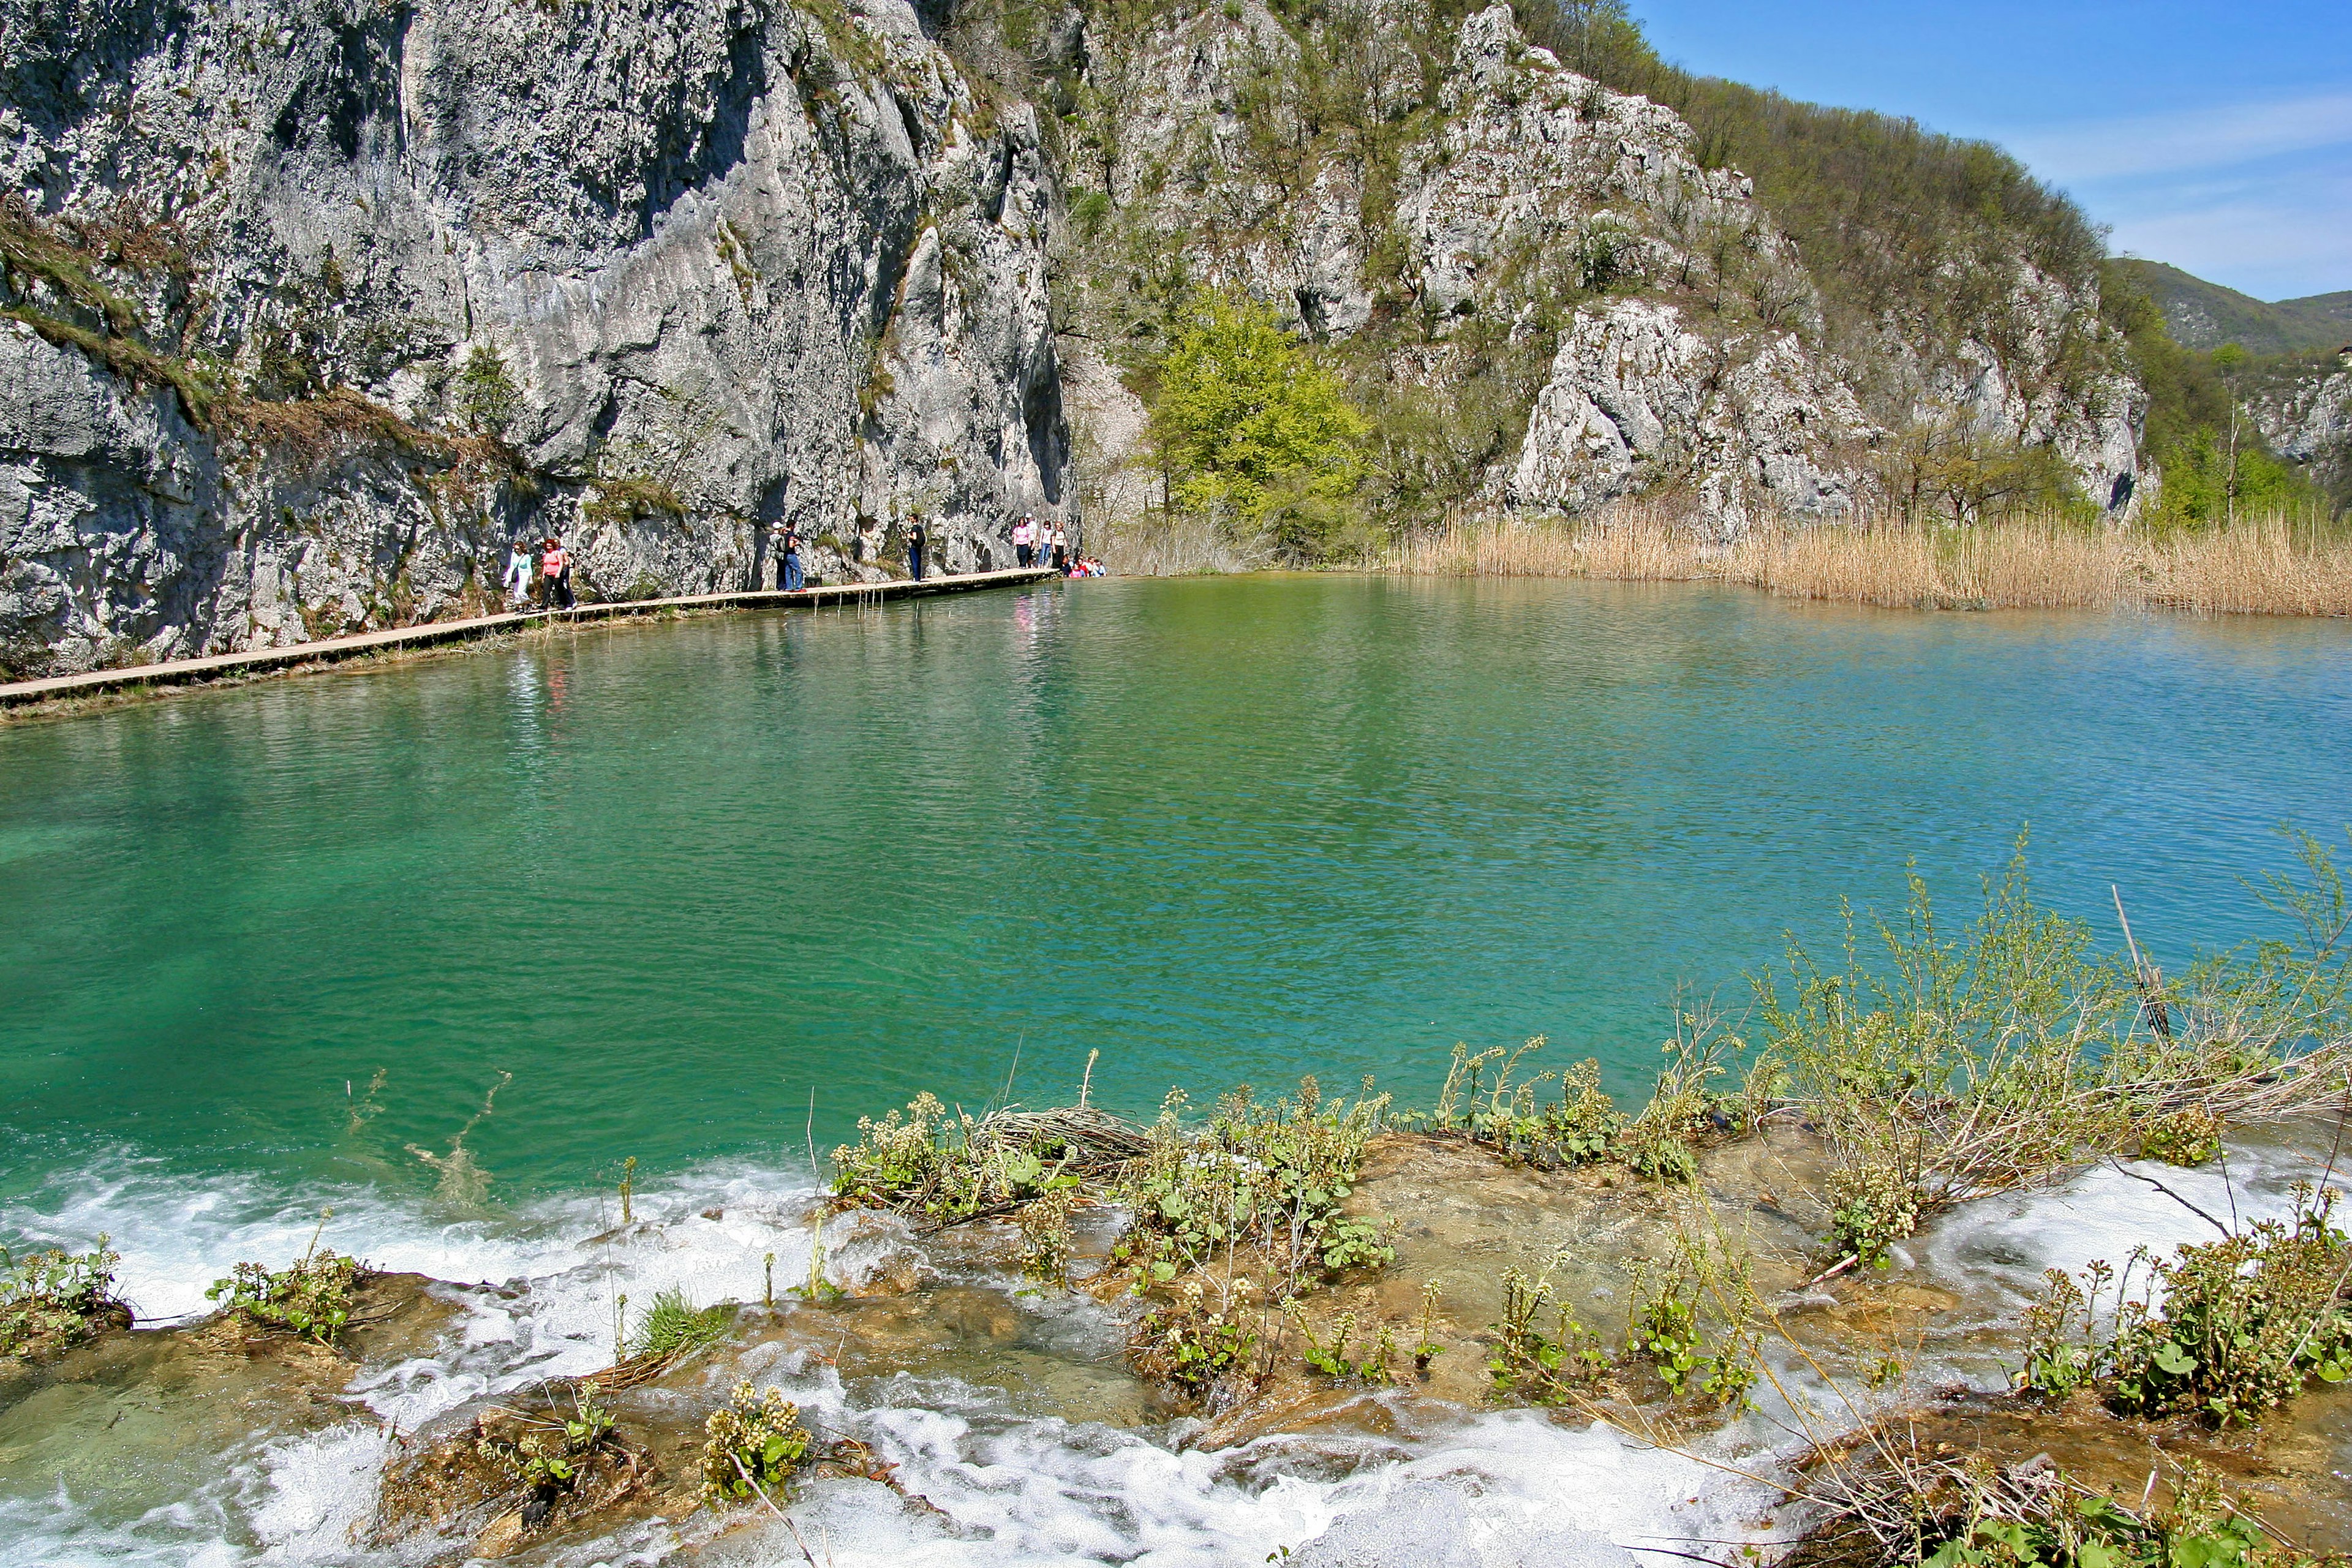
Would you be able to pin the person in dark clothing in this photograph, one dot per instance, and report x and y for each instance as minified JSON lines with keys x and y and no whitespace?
{"x":555,"y":571}
{"x":788,"y":560}
{"x":918,"y":539}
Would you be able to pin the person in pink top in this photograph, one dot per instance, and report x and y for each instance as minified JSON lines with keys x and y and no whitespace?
{"x":1024,"y":541}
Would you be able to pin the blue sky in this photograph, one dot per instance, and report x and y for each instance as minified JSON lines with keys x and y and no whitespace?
{"x":2216,"y":136}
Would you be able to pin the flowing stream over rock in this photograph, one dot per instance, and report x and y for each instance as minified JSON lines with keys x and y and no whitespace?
{"x":670,"y":877}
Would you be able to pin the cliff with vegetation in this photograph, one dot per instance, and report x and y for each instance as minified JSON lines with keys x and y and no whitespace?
{"x":312,"y":306}
{"x":1555,"y":275}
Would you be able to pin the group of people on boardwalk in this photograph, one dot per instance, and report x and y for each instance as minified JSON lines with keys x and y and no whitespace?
{"x":537,"y":573}
{"x":1036,"y":544}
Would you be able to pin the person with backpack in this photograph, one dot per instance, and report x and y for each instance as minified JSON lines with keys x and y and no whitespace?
{"x":917,"y":538}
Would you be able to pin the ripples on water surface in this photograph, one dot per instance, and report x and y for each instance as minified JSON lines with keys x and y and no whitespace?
{"x":673,"y":877}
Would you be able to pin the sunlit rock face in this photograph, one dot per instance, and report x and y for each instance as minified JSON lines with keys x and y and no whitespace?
{"x":737,"y":267}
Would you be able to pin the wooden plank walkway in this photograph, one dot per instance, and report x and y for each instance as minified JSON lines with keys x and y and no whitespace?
{"x":182,"y":672}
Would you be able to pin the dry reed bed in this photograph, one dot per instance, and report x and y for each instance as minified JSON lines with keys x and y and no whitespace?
{"x":2262,"y":567}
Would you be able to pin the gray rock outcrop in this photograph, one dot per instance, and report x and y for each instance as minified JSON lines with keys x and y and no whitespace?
{"x":1682,"y":339}
{"x":398,"y":283}
{"x":2306,"y":417}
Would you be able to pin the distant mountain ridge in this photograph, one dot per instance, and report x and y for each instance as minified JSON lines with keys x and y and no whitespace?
{"x":2202,"y":315}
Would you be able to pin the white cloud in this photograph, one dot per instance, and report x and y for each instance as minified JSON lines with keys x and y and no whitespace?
{"x":2267,"y":243}
{"x":2211,"y":138}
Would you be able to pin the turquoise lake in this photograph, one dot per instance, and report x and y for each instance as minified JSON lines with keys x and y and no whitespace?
{"x":675,"y":878}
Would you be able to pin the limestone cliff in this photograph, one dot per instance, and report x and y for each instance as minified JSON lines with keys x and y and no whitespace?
{"x":1547,"y":299}
{"x":2304,"y":408}
{"x":315,"y":304}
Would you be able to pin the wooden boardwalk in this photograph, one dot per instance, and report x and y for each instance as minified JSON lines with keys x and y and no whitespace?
{"x":187,"y":671}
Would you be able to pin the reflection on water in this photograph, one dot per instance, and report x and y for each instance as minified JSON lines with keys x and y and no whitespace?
{"x":674,"y":877}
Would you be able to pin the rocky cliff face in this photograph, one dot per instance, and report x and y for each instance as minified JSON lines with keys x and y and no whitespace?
{"x":2304,"y":412}
{"x":315,"y":304}
{"x":1464,"y":219}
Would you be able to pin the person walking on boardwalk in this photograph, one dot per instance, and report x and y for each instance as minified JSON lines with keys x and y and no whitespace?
{"x":1061,"y":558}
{"x":788,"y":560}
{"x":1024,"y":541}
{"x":555,"y":574}
{"x":515,"y":586}
{"x":918,"y":538}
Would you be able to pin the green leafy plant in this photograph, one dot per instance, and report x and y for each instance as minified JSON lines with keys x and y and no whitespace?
{"x":1251,"y":431}
{"x":1206,"y":1349}
{"x":51,"y":1300}
{"x":754,"y":1444}
{"x":482,"y":394}
{"x":1045,"y":1236}
{"x":310,"y":1300}
{"x":2189,"y":1137}
{"x":1550,"y":1367}
{"x":546,"y":1455}
{"x":1270,"y":1180}
{"x":1694,"y":1318}
{"x":1872,"y":1207}
{"x":1958,"y":1065}
{"x":1373,"y":1362}
{"x":2245,"y":1322}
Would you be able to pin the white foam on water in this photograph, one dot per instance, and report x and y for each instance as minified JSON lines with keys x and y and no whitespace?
{"x":1996,"y":1250}
{"x":1001,"y":1486}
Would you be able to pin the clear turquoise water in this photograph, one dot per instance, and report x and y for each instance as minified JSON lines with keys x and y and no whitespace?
{"x":674,"y":877}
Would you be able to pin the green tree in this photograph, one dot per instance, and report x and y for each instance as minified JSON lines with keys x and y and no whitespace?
{"x":482,"y":394}
{"x":1251,"y":431}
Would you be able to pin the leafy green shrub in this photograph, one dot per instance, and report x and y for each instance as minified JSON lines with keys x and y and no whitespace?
{"x":2066,"y":1526}
{"x":1872,"y":1207}
{"x":1045,"y":1237}
{"x":52,"y":1300}
{"x":1374,"y":1362}
{"x":2187,"y":1137}
{"x":1695,"y":1320}
{"x":1270,"y":1179}
{"x":946,"y":1168}
{"x":1244,"y":419}
{"x":1979,"y":1061}
{"x":754,"y":1444}
{"x":482,"y":394}
{"x":2246,"y":1322}
{"x":310,"y":1300}
{"x":1508,"y":1115}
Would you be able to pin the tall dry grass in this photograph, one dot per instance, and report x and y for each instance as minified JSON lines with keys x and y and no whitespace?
{"x":1155,"y":544}
{"x":2267,"y":566}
